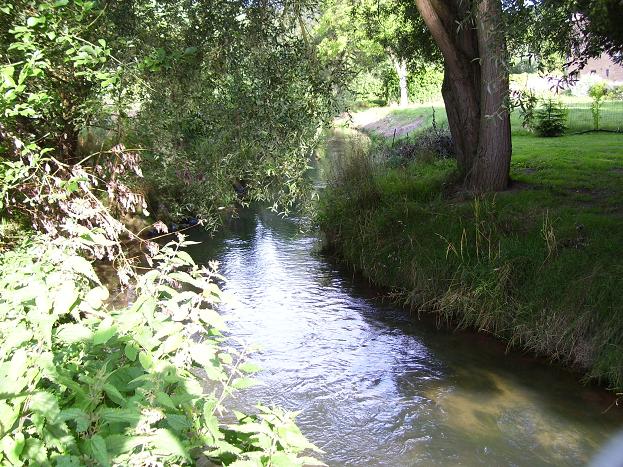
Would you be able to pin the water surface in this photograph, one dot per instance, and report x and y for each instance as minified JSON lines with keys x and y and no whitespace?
{"x":378,"y":387}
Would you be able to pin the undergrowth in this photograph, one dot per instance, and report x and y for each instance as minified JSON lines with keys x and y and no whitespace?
{"x":539,"y":265}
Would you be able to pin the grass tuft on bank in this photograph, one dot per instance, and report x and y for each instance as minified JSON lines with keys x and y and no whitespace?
{"x":540,"y":265}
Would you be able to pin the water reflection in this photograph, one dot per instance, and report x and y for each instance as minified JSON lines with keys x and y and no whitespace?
{"x":377,"y":388}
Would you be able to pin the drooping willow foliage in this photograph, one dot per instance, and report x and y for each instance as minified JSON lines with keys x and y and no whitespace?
{"x":102,"y":107}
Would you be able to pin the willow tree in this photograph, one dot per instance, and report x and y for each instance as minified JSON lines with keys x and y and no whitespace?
{"x":471,"y":36}
{"x":471,"y":39}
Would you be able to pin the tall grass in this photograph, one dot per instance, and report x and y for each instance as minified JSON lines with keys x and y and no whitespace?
{"x":539,"y":267}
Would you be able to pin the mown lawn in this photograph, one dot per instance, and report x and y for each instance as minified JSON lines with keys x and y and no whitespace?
{"x":540,"y":265}
{"x":580,"y":117}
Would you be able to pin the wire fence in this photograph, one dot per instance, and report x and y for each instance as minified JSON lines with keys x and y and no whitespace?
{"x":581,"y":117}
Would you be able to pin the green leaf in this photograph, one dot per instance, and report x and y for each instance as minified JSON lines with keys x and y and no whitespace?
{"x":96,"y":296}
{"x":146,"y":360}
{"x":202,"y":353}
{"x":99,"y":450}
{"x":145,"y":338}
{"x":82,"y":266}
{"x":166,"y":443}
{"x":164,"y":399}
{"x":130,"y":351}
{"x":13,"y":447}
{"x":67,"y":461}
{"x":114,"y":394}
{"x":178,"y":422}
{"x":8,"y":417}
{"x":78,"y":416}
{"x":248,"y":367}
{"x":243,"y":383}
{"x":226,"y":358}
{"x":45,"y":404}
{"x":293,"y":437}
{"x":71,"y":333}
{"x":282,"y":459}
{"x":34,"y":20}
{"x":186,"y":258}
{"x":213,"y":319}
{"x":35,"y":452}
{"x":120,"y":444}
{"x":60,"y":3}
{"x":211,"y":422}
{"x":65,"y":298}
{"x":110,"y":415}
{"x":104,"y":332}
{"x":19,"y":334}
{"x":172,"y":343}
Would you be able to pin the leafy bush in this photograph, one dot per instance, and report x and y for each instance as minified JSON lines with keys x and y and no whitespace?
{"x":83,"y":383}
{"x":431,"y":143}
{"x":551,"y":119}
{"x":425,"y":83}
{"x":597,"y":92}
{"x":616,"y":92}
{"x":436,"y":140}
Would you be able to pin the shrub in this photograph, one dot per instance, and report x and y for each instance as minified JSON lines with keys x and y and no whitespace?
{"x":432,"y":143}
{"x":436,"y":140}
{"x":616,"y":92}
{"x":597,"y":92}
{"x":551,"y":119}
{"x":425,"y":84}
{"x":85,"y":384}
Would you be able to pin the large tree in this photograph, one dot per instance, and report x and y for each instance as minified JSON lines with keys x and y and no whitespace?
{"x":471,"y":38}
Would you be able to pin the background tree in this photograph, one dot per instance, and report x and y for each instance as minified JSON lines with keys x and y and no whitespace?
{"x":226,"y":98}
{"x":373,"y":38}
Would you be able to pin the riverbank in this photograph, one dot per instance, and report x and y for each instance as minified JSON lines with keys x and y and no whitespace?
{"x":540,"y":265}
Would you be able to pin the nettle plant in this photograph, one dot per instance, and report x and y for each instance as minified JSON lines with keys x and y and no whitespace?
{"x":83,"y":382}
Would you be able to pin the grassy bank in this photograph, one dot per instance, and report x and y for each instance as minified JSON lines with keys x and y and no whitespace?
{"x":540,"y":265}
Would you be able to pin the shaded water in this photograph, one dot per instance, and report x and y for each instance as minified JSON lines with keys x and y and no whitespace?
{"x":377,"y":387}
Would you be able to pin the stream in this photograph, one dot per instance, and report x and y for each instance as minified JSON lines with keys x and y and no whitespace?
{"x":376,"y":386}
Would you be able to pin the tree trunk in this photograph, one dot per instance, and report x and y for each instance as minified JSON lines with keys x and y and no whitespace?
{"x":400,"y":65}
{"x":69,"y":144}
{"x":475,"y":86}
{"x":492,"y":165}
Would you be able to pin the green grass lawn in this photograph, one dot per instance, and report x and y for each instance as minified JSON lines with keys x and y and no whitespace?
{"x":540,"y":265}
{"x":580,"y":116}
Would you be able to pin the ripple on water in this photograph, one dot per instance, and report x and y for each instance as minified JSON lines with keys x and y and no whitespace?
{"x":375,"y":389}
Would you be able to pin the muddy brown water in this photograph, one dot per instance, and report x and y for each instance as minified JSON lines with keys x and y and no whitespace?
{"x":376,"y":386}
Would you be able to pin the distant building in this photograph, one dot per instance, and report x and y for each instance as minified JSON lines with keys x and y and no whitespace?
{"x":604,"y":67}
